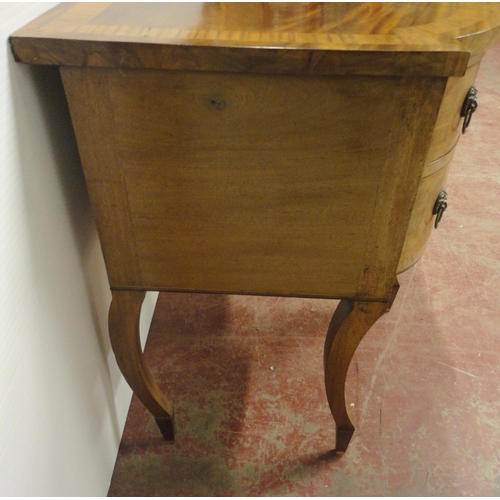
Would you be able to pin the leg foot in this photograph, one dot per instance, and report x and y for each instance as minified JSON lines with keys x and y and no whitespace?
{"x":350,"y":322}
{"x":342,"y":439}
{"x":166,"y":426}
{"x":124,"y":316}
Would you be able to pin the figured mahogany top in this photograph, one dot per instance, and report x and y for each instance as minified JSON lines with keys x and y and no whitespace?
{"x":309,"y":38}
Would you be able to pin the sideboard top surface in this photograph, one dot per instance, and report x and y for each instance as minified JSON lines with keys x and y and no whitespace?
{"x":435,"y":39}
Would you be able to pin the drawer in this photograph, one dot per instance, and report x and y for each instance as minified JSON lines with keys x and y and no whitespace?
{"x":449,"y":122}
{"x":422,"y":218}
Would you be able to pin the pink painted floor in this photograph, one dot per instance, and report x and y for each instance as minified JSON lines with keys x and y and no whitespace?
{"x":245,"y":373}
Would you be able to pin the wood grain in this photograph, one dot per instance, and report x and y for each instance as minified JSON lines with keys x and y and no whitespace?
{"x":327,"y":38}
{"x":252,"y":183}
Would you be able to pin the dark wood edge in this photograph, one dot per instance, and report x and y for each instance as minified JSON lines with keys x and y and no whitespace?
{"x":257,"y":294}
{"x":380,"y":61}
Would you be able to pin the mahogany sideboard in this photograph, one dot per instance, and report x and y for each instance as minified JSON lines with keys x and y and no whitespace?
{"x":264,"y":148}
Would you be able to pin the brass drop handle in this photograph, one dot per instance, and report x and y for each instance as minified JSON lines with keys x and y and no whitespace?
{"x":469,"y":106}
{"x":440,"y":206}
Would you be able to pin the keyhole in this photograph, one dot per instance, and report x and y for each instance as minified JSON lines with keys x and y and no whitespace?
{"x":217,"y":103}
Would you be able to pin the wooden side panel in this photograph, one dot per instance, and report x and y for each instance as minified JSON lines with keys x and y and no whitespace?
{"x":265,"y":184}
{"x":92,"y":117}
{"x":246,"y":183}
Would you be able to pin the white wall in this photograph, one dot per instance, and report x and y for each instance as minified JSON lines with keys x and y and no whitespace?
{"x":63,"y":401}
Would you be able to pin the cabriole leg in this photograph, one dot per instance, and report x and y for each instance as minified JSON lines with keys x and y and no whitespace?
{"x":124,"y":316}
{"x":350,"y":322}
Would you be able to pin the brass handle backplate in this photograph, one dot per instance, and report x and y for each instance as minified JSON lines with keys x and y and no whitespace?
{"x":440,"y":206}
{"x":469,"y":106}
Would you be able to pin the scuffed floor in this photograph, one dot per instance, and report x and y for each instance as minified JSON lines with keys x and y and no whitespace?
{"x":245,"y":373}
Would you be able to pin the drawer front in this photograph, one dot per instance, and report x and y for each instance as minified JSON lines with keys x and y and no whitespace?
{"x":449,"y":123}
{"x":445,"y":137}
{"x":422,"y":218}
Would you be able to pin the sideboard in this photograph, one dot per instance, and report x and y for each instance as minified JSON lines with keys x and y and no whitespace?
{"x":282,"y":149}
